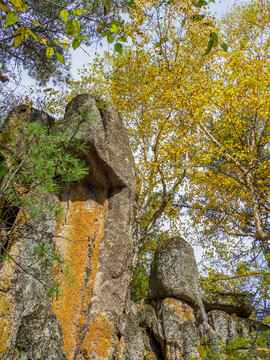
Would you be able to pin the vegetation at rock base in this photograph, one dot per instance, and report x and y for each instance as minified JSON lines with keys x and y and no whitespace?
{"x":35,"y":162}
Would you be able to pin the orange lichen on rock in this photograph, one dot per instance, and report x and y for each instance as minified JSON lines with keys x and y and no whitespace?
{"x":7,"y":301}
{"x":5,"y":320}
{"x":79,"y":235}
{"x":182,"y":309}
{"x":122,"y":347}
{"x":101,"y":338}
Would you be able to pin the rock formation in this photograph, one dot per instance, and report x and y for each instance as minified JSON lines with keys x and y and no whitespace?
{"x":94,"y":236}
{"x":177,"y":317}
{"x":94,"y":319}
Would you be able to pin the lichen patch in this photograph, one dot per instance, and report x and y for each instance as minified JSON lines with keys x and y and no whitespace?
{"x":100,"y":339}
{"x":79,"y":234}
{"x":183,"y":311}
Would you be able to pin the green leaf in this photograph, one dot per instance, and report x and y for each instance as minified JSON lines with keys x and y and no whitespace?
{"x":197,"y":17}
{"x":110,"y":39}
{"x":54,"y":92}
{"x":4,"y":7}
{"x":61,"y":58}
{"x":224,"y":47}
{"x":214,"y":38}
{"x":114,"y":29}
{"x":131,"y":4}
{"x":11,"y":19}
{"x":100,"y":28}
{"x":49,"y":52}
{"x":209,"y":47}
{"x":73,"y":27}
{"x":164,"y":39}
{"x":76,"y":43}
{"x":208,"y":23}
{"x":79,"y":11}
{"x":118,"y":48}
{"x":122,"y":39}
{"x":19,"y":5}
{"x":72,"y":82}
{"x":81,"y":37}
{"x":33,"y":35}
{"x":105,"y":33}
{"x":115,"y":22}
{"x":64,"y":14}
{"x":199,"y":4}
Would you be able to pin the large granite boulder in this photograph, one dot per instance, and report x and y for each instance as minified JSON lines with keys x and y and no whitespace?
{"x":93,"y":235}
{"x":174,"y":274}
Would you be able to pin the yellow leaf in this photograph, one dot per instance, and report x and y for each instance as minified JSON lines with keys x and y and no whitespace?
{"x":36,"y":23}
{"x":19,"y":5}
{"x":64,"y":14}
{"x":19,"y":30}
{"x":18,"y":40}
{"x":266,"y":319}
{"x":23,"y":31}
{"x":49,"y":52}
{"x":4,"y":7}
{"x":202,"y":351}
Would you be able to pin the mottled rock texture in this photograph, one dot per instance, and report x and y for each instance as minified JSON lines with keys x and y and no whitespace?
{"x":174,"y":319}
{"x":174,"y":274}
{"x":94,"y":236}
{"x":97,"y":218}
{"x":94,"y":319}
{"x":238,"y":304}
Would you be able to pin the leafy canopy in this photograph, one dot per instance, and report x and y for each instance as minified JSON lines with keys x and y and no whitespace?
{"x":37,"y":35}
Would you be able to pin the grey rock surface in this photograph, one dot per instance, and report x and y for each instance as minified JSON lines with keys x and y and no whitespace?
{"x":94,"y":237}
{"x":109,"y":155}
{"x":227,"y":328}
{"x":174,"y":274}
{"x":170,"y":329}
{"x":131,"y":344}
{"x":231,"y":303}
